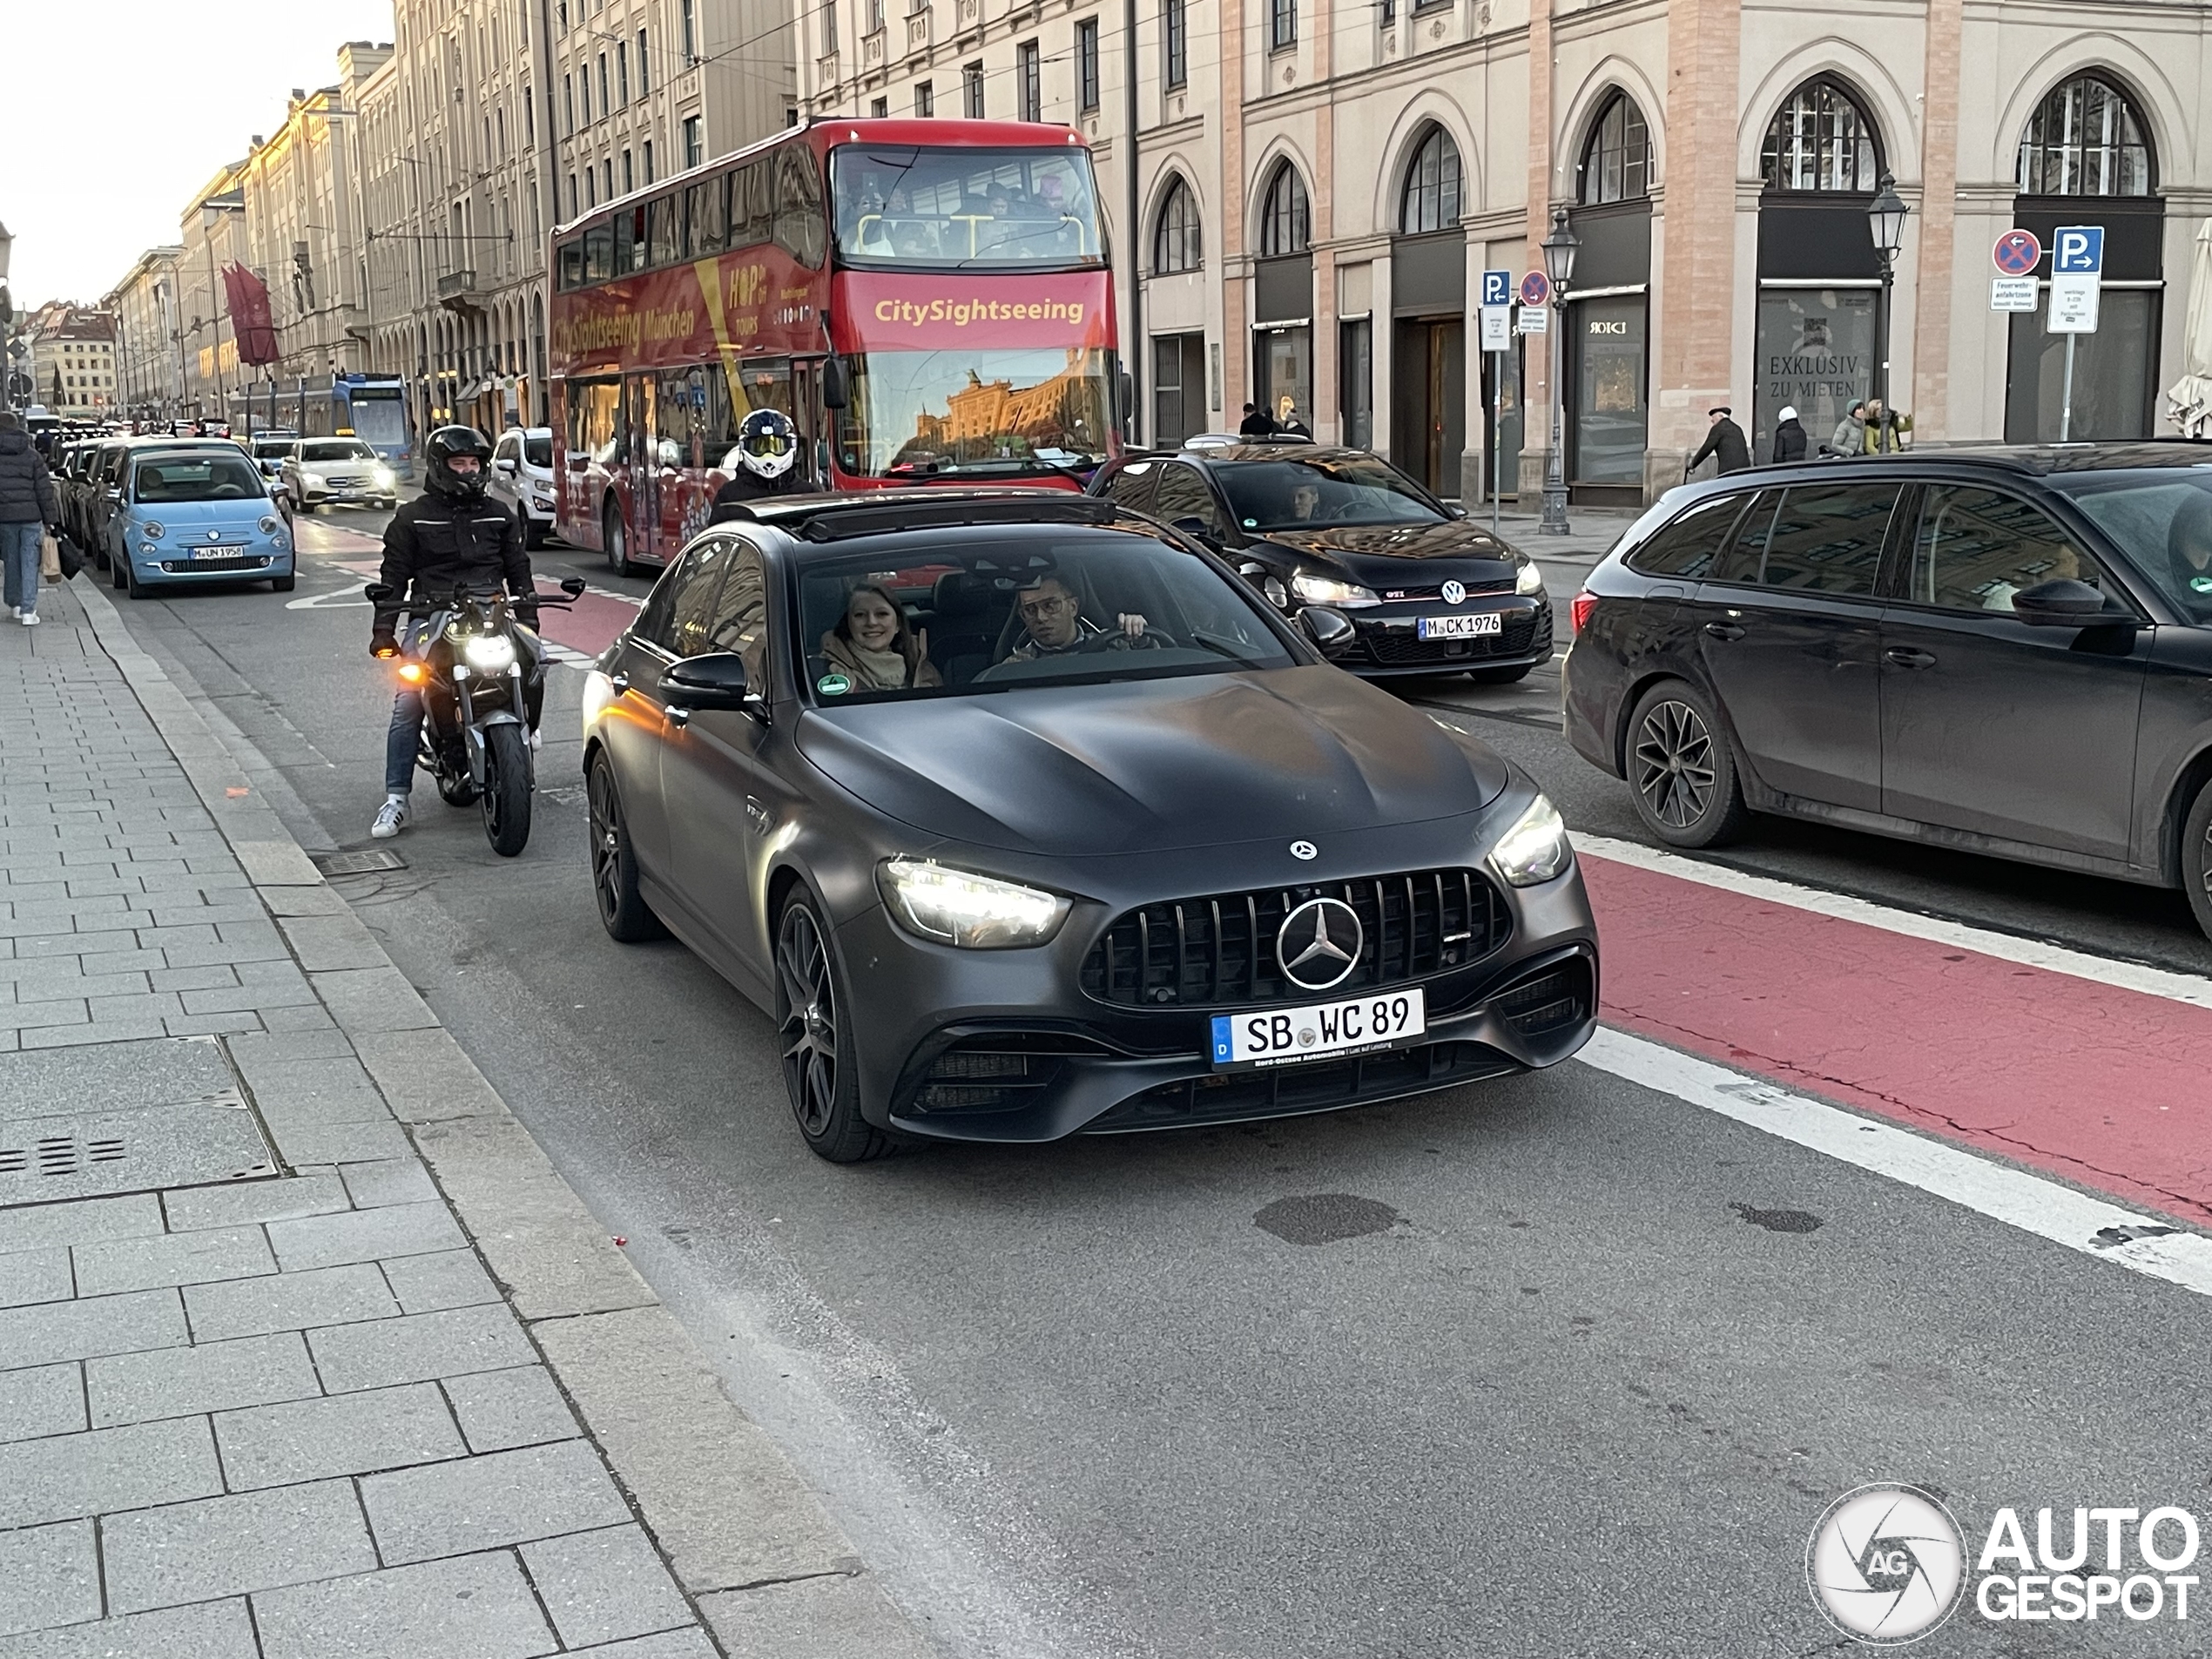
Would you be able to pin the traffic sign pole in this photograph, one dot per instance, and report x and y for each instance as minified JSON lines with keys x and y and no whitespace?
{"x":1497,"y":295}
{"x":2077,"y":273}
{"x":2065,"y":399}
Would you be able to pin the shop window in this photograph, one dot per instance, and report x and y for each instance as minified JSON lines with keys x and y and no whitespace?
{"x":2085,"y":140}
{"x":1821,"y":139}
{"x":1430,"y":200}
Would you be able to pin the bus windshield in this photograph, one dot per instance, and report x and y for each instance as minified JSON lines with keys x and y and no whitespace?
{"x":964,"y":208}
{"x":935,"y":414}
{"x":380,"y":418}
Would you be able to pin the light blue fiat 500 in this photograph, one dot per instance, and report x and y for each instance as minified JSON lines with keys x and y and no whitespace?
{"x":197,"y":515}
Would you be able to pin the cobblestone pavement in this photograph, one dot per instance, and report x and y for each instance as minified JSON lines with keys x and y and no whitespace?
{"x":264,"y":1389}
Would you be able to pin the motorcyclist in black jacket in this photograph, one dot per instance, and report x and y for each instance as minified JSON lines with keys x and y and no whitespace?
{"x":766,"y":462}
{"x":452,"y":535}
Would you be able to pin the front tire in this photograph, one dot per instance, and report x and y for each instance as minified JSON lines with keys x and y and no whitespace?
{"x":119,"y":572}
{"x":623,"y":910}
{"x":616,"y":539}
{"x":1682,"y":769}
{"x":284,"y":583}
{"x":507,"y":789}
{"x":811,"y":1030}
{"x":2196,"y":856}
{"x":138,"y":590}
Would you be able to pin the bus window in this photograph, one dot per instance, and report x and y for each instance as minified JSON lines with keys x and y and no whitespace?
{"x":764,"y":383}
{"x":571,"y":255}
{"x":752,"y":205}
{"x":965,"y":207}
{"x":681,"y":401}
{"x":595,"y":420}
{"x":799,"y":207}
{"x":629,"y":239}
{"x":660,"y":231}
{"x":598,"y":253}
{"x":709,"y":216}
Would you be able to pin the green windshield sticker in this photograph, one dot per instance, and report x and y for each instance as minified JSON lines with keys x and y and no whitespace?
{"x":832,"y":685}
{"x":2201,"y":584}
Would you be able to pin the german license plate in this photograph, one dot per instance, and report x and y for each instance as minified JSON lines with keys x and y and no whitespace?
{"x":1468,"y":624}
{"x":217,"y":552}
{"x":1285,"y":1036}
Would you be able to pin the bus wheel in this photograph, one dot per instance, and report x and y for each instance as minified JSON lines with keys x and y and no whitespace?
{"x":616,"y":539}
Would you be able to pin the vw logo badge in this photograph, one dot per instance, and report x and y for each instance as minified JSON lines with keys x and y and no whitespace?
{"x":1304,"y":850}
{"x":1455,"y":593}
{"x":1318,"y":944}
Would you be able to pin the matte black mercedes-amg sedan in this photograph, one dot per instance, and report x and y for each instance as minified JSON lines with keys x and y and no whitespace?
{"x":1021,"y":817}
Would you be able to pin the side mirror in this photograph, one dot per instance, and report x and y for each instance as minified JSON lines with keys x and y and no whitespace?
{"x":1327,"y":628}
{"x":2061,"y":603}
{"x":378,"y":593}
{"x":573,"y":586}
{"x":837,"y":389}
{"x":714,"y":681}
{"x":1452,"y":509}
{"x":505,"y":464}
{"x":1197,"y":530}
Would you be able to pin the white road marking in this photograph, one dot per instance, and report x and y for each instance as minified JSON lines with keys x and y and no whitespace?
{"x":2030,"y":953}
{"x":2047,"y":1209}
{"x":336,"y":599}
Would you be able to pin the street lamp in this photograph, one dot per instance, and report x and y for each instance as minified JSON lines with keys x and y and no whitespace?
{"x":1560,"y":248}
{"x":1886,"y":217}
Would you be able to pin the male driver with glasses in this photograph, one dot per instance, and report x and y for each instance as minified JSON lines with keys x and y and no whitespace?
{"x":1053,"y":617}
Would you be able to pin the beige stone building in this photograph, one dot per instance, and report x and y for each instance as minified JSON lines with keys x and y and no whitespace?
{"x":73,"y":362}
{"x":150,"y":364}
{"x":1316,"y":187}
{"x":211,"y":231}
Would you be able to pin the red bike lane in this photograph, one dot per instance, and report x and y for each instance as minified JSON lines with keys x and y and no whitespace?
{"x":2077,"y":1073}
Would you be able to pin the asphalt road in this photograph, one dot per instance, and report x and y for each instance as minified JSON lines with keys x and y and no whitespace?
{"x":1544,"y":1366}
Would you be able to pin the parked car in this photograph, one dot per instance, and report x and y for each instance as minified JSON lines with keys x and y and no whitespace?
{"x":522,"y":477}
{"x":1413,"y":587}
{"x":100,"y":492}
{"x":271,"y":450}
{"x":2001,"y":649}
{"x":193,"y":513}
{"x":1119,"y":851}
{"x":323,"y":471}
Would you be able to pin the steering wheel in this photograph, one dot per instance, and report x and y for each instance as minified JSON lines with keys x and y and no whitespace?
{"x":1150,"y":639}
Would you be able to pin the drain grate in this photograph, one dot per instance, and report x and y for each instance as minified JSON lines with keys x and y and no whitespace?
{"x":358,"y":863}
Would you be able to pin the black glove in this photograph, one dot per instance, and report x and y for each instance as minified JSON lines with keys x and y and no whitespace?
{"x":383,"y":643}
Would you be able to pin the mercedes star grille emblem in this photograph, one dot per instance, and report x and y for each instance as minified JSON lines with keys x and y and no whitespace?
{"x":1318,"y":944}
{"x":1454,"y":592}
{"x":1304,"y":850}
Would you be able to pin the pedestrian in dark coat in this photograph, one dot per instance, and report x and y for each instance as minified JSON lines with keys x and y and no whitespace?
{"x":1789,"y":436}
{"x":1725,"y":441}
{"x":1257,"y":422}
{"x":28,"y":507}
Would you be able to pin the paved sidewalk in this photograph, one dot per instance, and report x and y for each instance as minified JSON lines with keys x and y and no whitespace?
{"x":306,"y":1351}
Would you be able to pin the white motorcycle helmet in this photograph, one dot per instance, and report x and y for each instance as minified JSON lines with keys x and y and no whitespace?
{"x":767,"y":444}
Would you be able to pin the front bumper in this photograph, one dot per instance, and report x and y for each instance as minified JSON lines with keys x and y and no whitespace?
{"x":365,"y":495}
{"x":247,"y":563}
{"x":1002,"y":1046}
{"x":1385,"y":639}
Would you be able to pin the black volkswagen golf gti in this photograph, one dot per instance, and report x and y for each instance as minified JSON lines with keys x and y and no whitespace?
{"x":1021,"y":817}
{"x":2004,"y":650}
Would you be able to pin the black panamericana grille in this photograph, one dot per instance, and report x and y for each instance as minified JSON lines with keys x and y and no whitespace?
{"x":1220,"y":950}
{"x":1399,"y":645}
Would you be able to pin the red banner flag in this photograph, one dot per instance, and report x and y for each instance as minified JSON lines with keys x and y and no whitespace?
{"x":250,"y":321}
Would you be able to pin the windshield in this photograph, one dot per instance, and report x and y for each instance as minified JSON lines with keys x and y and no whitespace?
{"x":1051,"y":605}
{"x":1324,"y":489}
{"x":964,"y":209}
{"x":982,"y":414}
{"x":272,"y":448}
{"x":337,"y":449}
{"x":537,"y":450}
{"x":2163,"y":521}
{"x":197,"y":478}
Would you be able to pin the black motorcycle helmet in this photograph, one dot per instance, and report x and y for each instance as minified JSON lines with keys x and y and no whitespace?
{"x":438,"y":450}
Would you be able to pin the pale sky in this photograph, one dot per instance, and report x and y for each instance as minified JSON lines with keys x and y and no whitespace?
{"x":118,"y":110}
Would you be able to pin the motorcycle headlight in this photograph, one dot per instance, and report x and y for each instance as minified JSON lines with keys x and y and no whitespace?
{"x":152,"y":529}
{"x":270,"y":524}
{"x":1529,"y":581}
{"x":1535,"y":849}
{"x":976,"y":912}
{"x":1320,"y":591}
{"x":489,"y":654}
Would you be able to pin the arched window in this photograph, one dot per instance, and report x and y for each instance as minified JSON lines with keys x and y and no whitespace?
{"x":1430,"y":200}
{"x":1821,"y":139}
{"x":2084,"y":141}
{"x":1616,"y":162}
{"x":1177,"y":244}
{"x":1286,"y":223}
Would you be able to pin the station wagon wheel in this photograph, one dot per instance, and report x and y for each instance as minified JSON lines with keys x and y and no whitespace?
{"x":1682,"y":769}
{"x":817,"y":1050}
{"x":2196,"y":857}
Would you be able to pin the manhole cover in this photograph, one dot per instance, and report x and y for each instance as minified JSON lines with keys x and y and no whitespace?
{"x":165,"y":1113}
{"x":358,"y":863}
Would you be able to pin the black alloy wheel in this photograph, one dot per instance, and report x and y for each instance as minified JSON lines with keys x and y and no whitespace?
{"x":2196,"y":856}
{"x":507,"y":789}
{"x":623,"y":910}
{"x":1682,"y":770}
{"x":816,"y":1051}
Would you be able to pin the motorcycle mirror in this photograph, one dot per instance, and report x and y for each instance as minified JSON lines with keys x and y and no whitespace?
{"x":376,"y":593}
{"x":573,"y":586}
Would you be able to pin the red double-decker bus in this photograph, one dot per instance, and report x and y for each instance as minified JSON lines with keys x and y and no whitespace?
{"x":927,"y":300}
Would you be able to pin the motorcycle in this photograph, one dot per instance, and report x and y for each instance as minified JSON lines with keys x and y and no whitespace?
{"x":481,"y":674}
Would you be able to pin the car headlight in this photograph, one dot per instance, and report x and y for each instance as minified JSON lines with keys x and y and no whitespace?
{"x":270,"y":524}
{"x":1535,"y":849}
{"x":1528,"y":581}
{"x":1320,"y":591}
{"x":152,"y":530}
{"x":314,"y":478}
{"x":977,"y":912}
{"x":490,"y":653}
{"x":385,"y":478}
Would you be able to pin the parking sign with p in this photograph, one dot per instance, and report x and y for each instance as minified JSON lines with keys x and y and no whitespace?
{"x":2078,"y":250}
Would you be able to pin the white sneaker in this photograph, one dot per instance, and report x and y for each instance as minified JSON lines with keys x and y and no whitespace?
{"x":15,"y":611}
{"x":391,"y":818}
{"x":30,"y":619}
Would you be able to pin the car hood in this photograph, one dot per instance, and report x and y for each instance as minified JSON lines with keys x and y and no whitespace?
{"x":174,"y":516}
{"x":1084,"y":771}
{"x":1373,"y":554}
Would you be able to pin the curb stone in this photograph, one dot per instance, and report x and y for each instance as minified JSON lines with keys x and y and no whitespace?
{"x":748,"y":1541}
